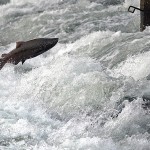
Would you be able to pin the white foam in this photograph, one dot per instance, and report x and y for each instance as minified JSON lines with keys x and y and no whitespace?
{"x":128,"y":3}
{"x":21,"y":2}
{"x":135,"y":66}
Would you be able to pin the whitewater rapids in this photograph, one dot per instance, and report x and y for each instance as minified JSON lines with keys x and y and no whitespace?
{"x":86,"y":92}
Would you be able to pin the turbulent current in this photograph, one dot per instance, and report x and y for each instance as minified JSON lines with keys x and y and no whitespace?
{"x":86,"y":93}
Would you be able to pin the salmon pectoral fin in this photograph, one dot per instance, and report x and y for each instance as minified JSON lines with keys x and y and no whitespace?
{"x":23,"y":61}
{"x":2,"y":63}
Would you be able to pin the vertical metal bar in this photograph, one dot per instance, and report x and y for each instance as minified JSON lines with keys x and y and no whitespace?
{"x":145,"y":16}
{"x":147,"y":13}
{"x":142,"y":25}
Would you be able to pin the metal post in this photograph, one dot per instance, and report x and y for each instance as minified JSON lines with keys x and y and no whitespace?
{"x":145,"y":16}
{"x":142,"y":26}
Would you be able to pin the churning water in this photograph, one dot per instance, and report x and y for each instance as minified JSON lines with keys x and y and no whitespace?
{"x":86,"y":92}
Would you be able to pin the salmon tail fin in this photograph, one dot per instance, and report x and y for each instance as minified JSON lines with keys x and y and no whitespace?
{"x":2,"y":63}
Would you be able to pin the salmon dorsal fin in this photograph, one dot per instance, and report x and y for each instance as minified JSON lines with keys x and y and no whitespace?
{"x":18,"y":44}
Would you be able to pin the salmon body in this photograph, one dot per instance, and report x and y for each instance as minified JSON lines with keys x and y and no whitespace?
{"x":27,"y":50}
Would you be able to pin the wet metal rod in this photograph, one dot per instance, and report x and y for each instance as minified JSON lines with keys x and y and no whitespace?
{"x":132,"y":9}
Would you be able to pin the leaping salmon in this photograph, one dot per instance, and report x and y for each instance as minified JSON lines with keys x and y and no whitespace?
{"x":27,"y":50}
